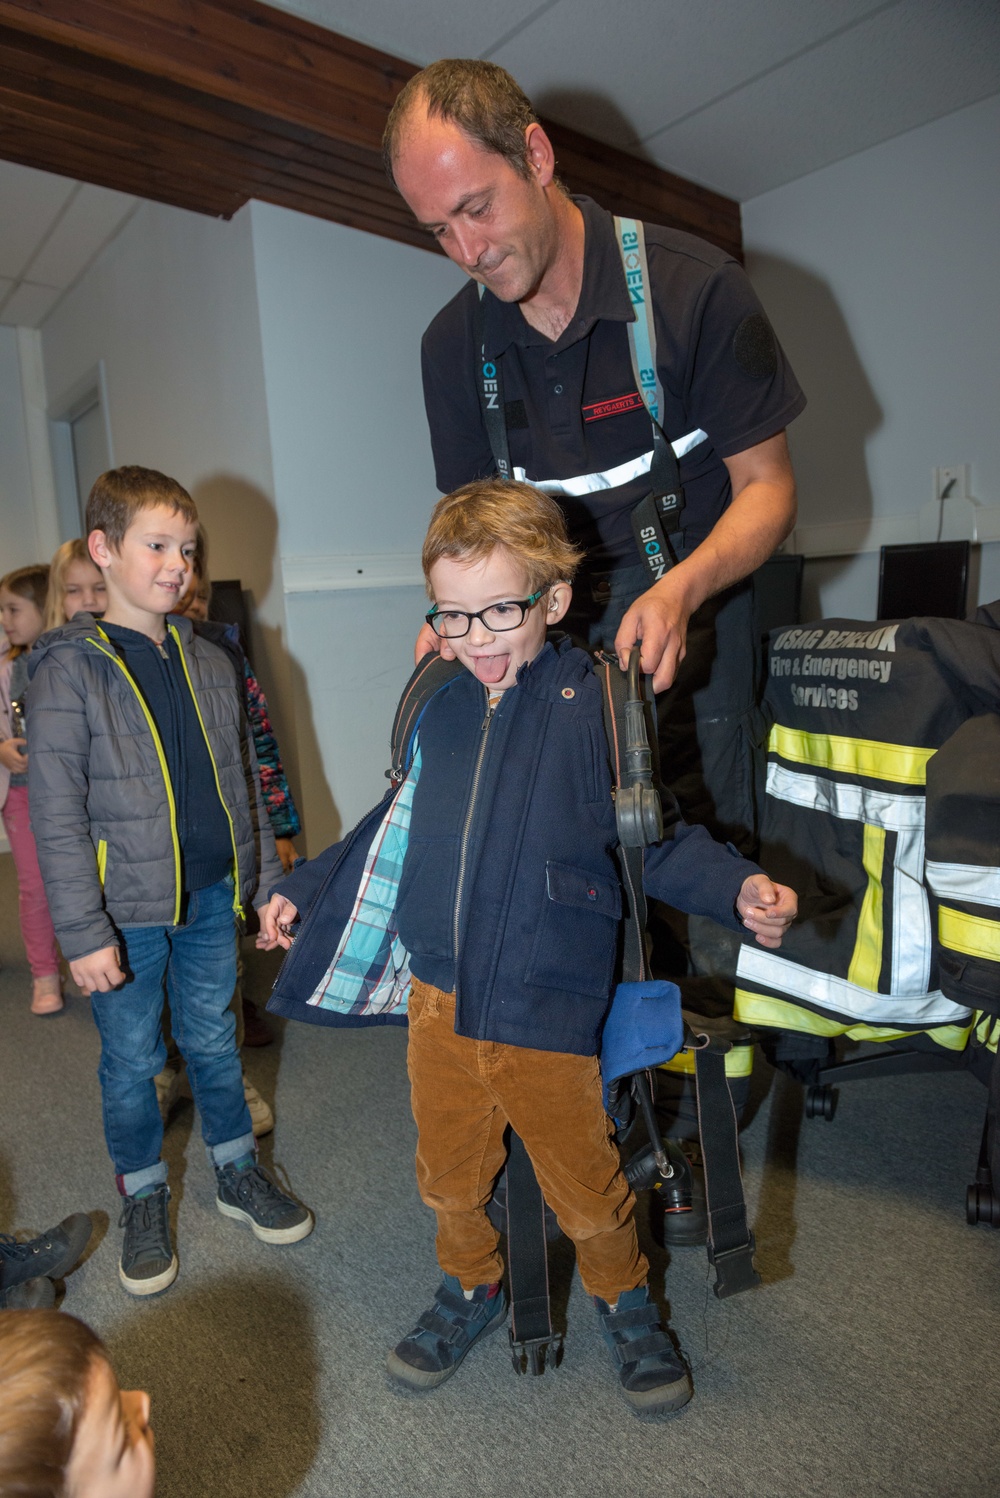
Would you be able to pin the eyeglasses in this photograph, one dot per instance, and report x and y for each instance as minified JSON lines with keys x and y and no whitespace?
{"x":452,"y":624}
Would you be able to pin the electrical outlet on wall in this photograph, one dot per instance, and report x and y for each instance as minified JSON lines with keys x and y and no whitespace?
{"x":951,"y":482}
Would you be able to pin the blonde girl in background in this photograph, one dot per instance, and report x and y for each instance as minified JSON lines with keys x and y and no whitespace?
{"x":75,"y":583}
{"x":22,"y":605}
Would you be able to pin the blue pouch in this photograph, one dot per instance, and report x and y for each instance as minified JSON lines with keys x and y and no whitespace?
{"x":644,"y":1028}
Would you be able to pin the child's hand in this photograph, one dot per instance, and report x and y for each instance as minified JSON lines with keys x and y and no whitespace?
{"x":99,"y":972}
{"x":766,"y":909}
{"x":275,"y":919}
{"x":12,"y":755}
{"x":286,"y":852}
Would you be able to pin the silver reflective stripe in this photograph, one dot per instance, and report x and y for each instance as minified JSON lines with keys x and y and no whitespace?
{"x":904,"y":815}
{"x":911,"y":917}
{"x":838,"y":996}
{"x":851,"y":803}
{"x":614,"y":478}
{"x":974,"y":883}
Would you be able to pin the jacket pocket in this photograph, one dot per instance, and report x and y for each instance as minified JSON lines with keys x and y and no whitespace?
{"x":577,"y":939}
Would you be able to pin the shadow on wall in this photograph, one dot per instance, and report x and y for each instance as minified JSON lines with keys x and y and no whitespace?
{"x":829,"y":439}
{"x":242,"y":527}
{"x":594,"y":114}
{"x":232,"y":1370}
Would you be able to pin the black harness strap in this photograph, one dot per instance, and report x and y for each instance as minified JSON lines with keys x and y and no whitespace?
{"x":531,"y":1335}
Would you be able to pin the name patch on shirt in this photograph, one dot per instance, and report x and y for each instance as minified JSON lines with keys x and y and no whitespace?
{"x":617,"y":406}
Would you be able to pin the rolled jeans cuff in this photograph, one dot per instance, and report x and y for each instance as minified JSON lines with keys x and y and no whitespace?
{"x":135,"y":1180}
{"x":235,"y":1149}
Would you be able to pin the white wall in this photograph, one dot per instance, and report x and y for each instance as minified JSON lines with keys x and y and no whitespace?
{"x":171,"y":310}
{"x":25,"y":533}
{"x":341,"y":317}
{"x":881,"y":274}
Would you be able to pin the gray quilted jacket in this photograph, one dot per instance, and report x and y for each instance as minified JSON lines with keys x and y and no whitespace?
{"x":102,"y":807}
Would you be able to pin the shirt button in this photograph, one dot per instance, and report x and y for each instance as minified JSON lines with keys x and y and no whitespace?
{"x":558,"y":389}
{"x":591,"y":894}
{"x":568,"y":693}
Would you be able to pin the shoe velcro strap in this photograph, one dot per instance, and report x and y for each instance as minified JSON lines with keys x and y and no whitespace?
{"x":451,"y":1332}
{"x":643,"y":1347}
{"x":646,"y":1315}
{"x":457,"y":1304}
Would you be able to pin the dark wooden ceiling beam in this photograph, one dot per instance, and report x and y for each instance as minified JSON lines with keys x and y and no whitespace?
{"x":207,"y":103}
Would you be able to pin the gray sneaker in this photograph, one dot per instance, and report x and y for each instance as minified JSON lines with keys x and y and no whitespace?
{"x":148,"y":1263}
{"x":248,"y":1194}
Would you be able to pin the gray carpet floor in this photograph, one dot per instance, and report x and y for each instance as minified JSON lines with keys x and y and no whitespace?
{"x":866,"y":1363}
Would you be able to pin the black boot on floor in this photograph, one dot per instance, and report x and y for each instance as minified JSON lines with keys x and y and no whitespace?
{"x":49,"y":1256}
{"x":651,"y":1376}
{"x":444,"y":1334}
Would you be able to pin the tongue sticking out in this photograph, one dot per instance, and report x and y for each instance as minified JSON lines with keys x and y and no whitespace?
{"x":491,"y":669}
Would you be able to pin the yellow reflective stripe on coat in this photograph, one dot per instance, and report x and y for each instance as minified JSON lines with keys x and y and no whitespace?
{"x":972,"y":934}
{"x":739,"y":1061}
{"x":102,"y":860}
{"x":901,"y":763}
{"x":841,"y":998}
{"x":237,"y":904}
{"x":763,"y":1011}
{"x":987,"y":1029}
{"x":866,"y":963}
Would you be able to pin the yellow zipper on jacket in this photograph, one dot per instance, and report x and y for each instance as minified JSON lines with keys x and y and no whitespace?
{"x":237,"y":906}
{"x":158,"y":745}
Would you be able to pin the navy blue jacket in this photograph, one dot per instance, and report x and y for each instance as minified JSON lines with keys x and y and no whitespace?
{"x":510,"y":892}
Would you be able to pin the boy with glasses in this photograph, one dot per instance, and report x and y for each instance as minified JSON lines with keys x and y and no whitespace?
{"x":509,"y":905}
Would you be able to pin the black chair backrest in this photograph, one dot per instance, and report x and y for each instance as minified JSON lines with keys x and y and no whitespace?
{"x":926,"y":577}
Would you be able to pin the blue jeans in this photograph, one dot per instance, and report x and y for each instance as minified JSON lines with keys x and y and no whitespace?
{"x":194,"y":965}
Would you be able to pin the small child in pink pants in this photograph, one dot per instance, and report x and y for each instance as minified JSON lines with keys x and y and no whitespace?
{"x":22,"y":604}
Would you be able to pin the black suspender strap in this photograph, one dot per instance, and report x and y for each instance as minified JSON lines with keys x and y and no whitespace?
{"x":531,"y":1335}
{"x":489,"y":383}
{"x":730,"y":1241}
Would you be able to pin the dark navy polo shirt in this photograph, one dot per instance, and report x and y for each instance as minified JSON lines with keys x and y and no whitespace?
{"x":576,"y":423}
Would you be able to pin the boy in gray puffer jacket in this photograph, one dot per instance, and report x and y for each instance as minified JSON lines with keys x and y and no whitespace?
{"x":145,"y":802}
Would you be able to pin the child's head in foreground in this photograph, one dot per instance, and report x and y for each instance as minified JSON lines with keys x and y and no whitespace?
{"x":66,"y":1429}
{"x":499,"y":550}
{"x":142,"y":531}
{"x":75,"y":585}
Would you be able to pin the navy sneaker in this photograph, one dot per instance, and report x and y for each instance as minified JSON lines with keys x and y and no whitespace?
{"x":444,"y":1334}
{"x":29,"y":1295}
{"x":49,"y":1256}
{"x":248,"y":1194}
{"x":148,"y":1263}
{"x":651,"y":1377}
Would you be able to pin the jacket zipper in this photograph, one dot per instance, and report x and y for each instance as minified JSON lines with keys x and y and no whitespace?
{"x":237,"y":905}
{"x":158,"y":746}
{"x":463,"y":849}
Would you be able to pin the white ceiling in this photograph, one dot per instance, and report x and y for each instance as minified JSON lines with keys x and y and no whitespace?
{"x":741,"y":95}
{"x":51,"y":229}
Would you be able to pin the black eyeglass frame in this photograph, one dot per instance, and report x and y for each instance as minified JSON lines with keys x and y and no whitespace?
{"x":524,"y":604}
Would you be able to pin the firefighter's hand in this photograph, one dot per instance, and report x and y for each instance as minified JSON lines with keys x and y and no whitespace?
{"x":766,"y":909}
{"x":99,"y":972}
{"x":427,"y":641}
{"x":658,"y":620}
{"x":276,"y":919}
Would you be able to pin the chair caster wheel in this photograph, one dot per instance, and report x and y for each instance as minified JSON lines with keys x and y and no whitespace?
{"x":821,"y":1101}
{"x":982,"y":1205}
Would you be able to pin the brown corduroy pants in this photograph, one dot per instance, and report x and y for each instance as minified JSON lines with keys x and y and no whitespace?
{"x":464,"y":1093}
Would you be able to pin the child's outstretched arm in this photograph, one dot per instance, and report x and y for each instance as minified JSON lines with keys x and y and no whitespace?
{"x":766,"y":909}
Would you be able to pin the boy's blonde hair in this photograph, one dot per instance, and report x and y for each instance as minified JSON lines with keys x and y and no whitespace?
{"x":31,"y":583}
{"x":68,"y":553}
{"x":46,"y":1362}
{"x":119,"y":495}
{"x":493,"y":515}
